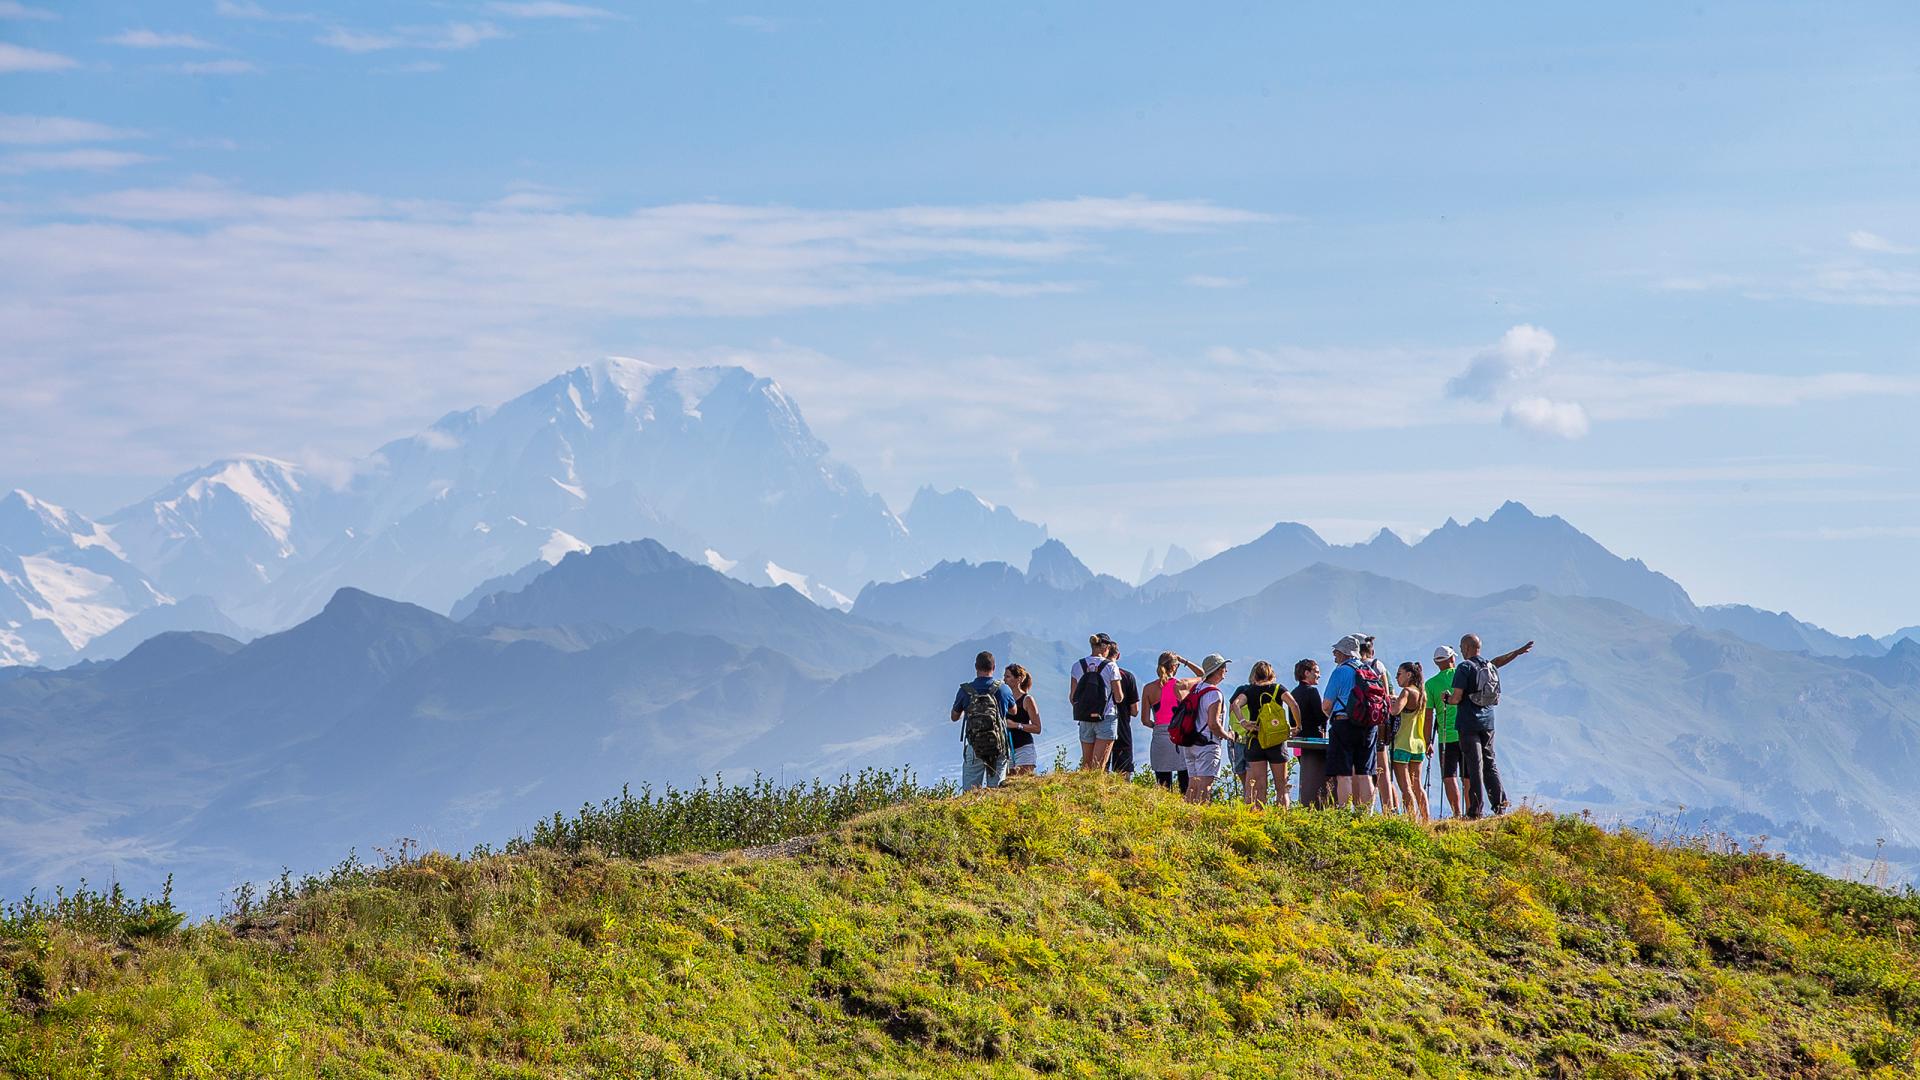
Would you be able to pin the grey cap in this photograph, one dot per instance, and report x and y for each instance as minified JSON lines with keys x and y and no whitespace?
{"x":1214,"y":662}
{"x":1349,"y":645}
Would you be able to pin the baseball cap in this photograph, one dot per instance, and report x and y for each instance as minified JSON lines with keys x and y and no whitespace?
{"x":1444,"y":652}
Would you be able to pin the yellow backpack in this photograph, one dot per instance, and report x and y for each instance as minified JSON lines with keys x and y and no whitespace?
{"x":1272,"y":724}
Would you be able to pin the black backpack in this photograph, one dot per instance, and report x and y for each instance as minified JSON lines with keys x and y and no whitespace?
{"x":984,"y":726}
{"x":1090,"y":694}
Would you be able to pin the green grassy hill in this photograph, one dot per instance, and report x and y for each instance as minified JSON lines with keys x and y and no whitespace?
{"x":1062,"y":926}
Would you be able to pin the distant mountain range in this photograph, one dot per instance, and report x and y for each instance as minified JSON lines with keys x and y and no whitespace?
{"x":714,"y":463}
{"x":653,"y":573}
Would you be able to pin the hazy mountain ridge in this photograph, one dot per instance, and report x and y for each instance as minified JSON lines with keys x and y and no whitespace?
{"x":715,"y":463}
{"x":643,"y":585}
{"x":955,"y":599}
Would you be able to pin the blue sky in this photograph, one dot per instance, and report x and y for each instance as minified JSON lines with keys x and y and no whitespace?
{"x":1145,"y":274}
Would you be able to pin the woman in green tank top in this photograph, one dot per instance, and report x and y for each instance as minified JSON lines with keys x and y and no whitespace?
{"x":1410,"y":744}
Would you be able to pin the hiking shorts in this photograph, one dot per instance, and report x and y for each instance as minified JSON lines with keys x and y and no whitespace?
{"x":1107,"y":727}
{"x":1278,"y":753}
{"x":1202,"y":761}
{"x":1407,"y":757}
{"x":1450,"y":760}
{"x":1350,"y":749}
{"x":1026,"y":755}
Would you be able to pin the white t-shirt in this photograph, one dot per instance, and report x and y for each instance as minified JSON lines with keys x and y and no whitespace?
{"x":1108,"y":677}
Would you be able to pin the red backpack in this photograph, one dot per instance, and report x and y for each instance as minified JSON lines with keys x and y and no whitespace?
{"x":1369,"y":704}
{"x":1189,"y":728}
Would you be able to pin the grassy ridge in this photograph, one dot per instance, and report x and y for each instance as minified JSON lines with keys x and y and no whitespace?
{"x":1065,"y":925}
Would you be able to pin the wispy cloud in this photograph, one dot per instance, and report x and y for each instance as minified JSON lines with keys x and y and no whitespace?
{"x":449,"y":36}
{"x":12,"y":9}
{"x":1862,"y":240}
{"x":153,"y":39}
{"x":218,"y":67}
{"x":15,"y":58}
{"x":262,"y":294}
{"x":48,"y":130}
{"x":246,"y":9}
{"x":1544,"y":416}
{"x":1856,"y":532}
{"x":87,"y":160}
{"x":1213,"y":281}
{"x":550,"y":9}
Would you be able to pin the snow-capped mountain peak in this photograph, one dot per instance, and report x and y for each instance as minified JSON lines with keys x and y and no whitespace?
{"x":63,"y":582}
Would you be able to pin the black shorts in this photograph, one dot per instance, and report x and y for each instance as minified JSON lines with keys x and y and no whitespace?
{"x":1276,"y":753}
{"x":1450,"y":757}
{"x":1350,"y":749}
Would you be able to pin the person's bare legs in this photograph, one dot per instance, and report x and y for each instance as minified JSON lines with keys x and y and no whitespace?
{"x":1383,"y":768}
{"x":1355,"y":791}
{"x":1413,"y":797}
{"x":1452,"y":784}
{"x":1094,"y":755}
{"x":1282,"y":784}
{"x":1255,"y":786}
{"x":1199,"y":789}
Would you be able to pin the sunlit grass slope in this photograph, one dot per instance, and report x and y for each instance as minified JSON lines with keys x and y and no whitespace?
{"x":1062,"y":926}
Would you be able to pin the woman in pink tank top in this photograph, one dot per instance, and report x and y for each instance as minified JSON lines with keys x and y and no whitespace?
{"x":1157,"y":703}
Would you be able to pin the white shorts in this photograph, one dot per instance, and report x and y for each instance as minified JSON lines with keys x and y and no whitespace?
{"x":1026,"y":755}
{"x":1202,"y":761}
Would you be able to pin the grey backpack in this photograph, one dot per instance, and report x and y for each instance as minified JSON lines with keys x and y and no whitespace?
{"x":1486,"y":682}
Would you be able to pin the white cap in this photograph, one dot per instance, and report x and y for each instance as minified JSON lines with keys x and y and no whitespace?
{"x":1444,"y":652}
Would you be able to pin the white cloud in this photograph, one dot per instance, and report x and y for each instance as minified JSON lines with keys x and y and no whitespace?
{"x":246,"y":9}
{"x":306,"y":301}
{"x":551,"y":9}
{"x":47,"y":130}
{"x":151,"y":39}
{"x":1862,"y":240}
{"x":88,"y":160}
{"x":20,"y":58}
{"x":1521,"y":351}
{"x":449,"y":36}
{"x":1211,"y":281}
{"x":11,"y":9}
{"x":219,"y":67}
{"x":1543,"y":416}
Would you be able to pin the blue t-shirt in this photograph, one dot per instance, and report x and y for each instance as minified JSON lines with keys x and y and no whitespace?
{"x":1339,"y":688}
{"x":984,"y":682}
{"x":1470,"y":718}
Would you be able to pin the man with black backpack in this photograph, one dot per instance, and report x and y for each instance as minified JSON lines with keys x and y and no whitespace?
{"x":1476,"y":690}
{"x":1093,"y":686}
{"x":984,"y":704}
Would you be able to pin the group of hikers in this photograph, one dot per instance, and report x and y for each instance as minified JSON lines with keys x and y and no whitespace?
{"x":1360,"y":742}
